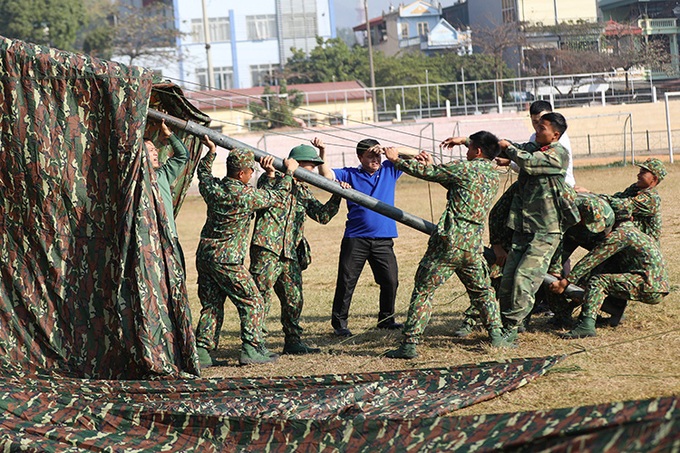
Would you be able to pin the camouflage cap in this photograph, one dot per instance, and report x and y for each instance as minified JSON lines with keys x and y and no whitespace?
{"x":655,"y":167}
{"x":240,"y":158}
{"x":595,"y":212}
{"x":305,"y":153}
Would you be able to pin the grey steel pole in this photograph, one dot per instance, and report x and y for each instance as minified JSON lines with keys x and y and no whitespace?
{"x":302,"y":174}
{"x":321,"y":182}
{"x":572,"y":290}
{"x":208,"y":54}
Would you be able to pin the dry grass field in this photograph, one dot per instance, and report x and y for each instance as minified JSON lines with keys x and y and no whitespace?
{"x":638,"y":359}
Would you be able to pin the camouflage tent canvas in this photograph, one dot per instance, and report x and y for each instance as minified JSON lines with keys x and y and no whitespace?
{"x":90,"y":284}
{"x":392,"y":411}
{"x":91,"y":290}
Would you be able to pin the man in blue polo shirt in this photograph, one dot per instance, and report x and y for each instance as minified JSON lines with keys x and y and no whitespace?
{"x":368,"y":237}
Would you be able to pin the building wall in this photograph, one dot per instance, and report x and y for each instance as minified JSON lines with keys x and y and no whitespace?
{"x":233,"y":121}
{"x":548,"y":12}
{"x":239,"y":52}
{"x":484,"y":13}
{"x":487,"y":13}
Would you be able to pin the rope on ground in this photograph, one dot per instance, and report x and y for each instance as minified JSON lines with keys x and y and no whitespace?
{"x":582,"y":348}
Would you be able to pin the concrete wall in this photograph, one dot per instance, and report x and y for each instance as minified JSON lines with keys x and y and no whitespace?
{"x":548,"y":12}
{"x":233,"y":121}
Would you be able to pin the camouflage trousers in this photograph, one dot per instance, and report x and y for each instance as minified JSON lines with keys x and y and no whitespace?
{"x":623,"y":286}
{"x":216,"y":281}
{"x":284,"y":275}
{"x":523,"y":273}
{"x":435,"y":268}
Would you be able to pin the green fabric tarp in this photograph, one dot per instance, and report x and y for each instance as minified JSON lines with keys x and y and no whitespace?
{"x":396,"y":411}
{"x":96,"y":345}
{"x":91,"y":284}
{"x":340,"y":411}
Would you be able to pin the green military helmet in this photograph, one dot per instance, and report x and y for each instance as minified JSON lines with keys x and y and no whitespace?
{"x":240,"y":158}
{"x":595,"y":212}
{"x":305,"y":153}
{"x":655,"y":167}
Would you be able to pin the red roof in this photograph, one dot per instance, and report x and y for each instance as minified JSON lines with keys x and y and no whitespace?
{"x":315,"y":93}
{"x":374,"y":23}
{"x":613,"y":28}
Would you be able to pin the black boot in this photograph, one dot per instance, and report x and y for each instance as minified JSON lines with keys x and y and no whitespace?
{"x":615,"y":307}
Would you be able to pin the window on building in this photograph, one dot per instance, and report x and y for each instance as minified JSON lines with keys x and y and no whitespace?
{"x":261,"y":74}
{"x":224,"y":77}
{"x":423,"y":28}
{"x":299,"y":25}
{"x":509,"y":11}
{"x":261,"y":26}
{"x":219,"y":28}
{"x":404,"y":30}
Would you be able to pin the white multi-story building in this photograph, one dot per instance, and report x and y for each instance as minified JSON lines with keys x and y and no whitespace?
{"x":248,"y":41}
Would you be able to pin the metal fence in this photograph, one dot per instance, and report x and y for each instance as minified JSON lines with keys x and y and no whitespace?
{"x":430,"y":104}
{"x":488,"y":96}
{"x":630,"y":146}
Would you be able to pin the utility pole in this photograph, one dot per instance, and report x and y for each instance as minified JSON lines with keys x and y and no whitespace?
{"x":208,"y":56}
{"x":370,"y":61}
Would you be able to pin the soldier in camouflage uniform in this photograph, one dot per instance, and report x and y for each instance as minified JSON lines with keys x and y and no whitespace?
{"x":167,"y":173}
{"x":542,"y":209}
{"x":219,"y":257}
{"x":499,"y":234}
{"x":455,"y":246}
{"x":500,"y":238}
{"x":278,"y":237}
{"x":640,"y":200}
{"x":641,"y":203}
{"x":644,"y":277}
{"x":597,"y":220}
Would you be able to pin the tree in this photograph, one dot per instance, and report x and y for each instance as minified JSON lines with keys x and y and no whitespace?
{"x":475,"y":67}
{"x":97,"y":35}
{"x":622,"y":47}
{"x":49,"y":22}
{"x":276,"y":109}
{"x":146,"y":33}
{"x":347,"y":35}
{"x":330,"y":60}
{"x":495,"y":41}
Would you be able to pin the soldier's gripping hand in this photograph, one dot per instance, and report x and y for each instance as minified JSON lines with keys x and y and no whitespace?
{"x":424,"y":158}
{"x":504,"y":144}
{"x":267,"y":164}
{"x":318,"y":144}
{"x":558,"y":286}
{"x":453,"y":141}
{"x":207,"y":142}
{"x":391,"y":153}
{"x":291,"y":165}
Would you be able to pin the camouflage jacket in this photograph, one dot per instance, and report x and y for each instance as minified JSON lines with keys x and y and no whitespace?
{"x":231,"y":205}
{"x":643,"y":205}
{"x":543,"y":202}
{"x":637,"y":253}
{"x":279,"y":228}
{"x":499,"y":233}
{"x":166,"y":175}
{"x":471,"y":187}
{"x":576,"y":236}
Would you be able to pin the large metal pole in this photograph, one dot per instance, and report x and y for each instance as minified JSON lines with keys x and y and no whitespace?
{"x":370,"y":61}
{"x":573,"y":291}
{"x":208,"y":54}
{"x":326,"y":184}
{"x":302,"y":174}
